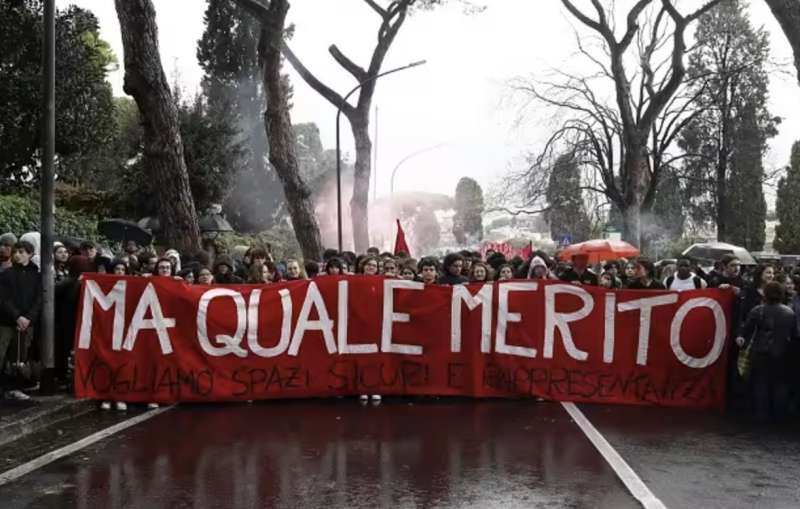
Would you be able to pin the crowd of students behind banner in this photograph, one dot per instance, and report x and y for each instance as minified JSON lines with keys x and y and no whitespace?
{"x":765,"y":328}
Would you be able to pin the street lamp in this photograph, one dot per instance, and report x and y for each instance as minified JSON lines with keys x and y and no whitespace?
{"x":411,"y":156}
{"x":338,"y":141}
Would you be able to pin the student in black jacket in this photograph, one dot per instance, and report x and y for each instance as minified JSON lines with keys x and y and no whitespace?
{"x":20,"y":307}
{"x":645,"y":277}
{"x":453,"y":266}
{"x":770,"y":328}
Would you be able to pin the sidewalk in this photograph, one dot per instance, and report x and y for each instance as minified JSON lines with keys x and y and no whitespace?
{"x":19,"y":419}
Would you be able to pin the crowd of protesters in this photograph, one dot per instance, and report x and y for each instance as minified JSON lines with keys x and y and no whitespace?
{"x":766,"y":318}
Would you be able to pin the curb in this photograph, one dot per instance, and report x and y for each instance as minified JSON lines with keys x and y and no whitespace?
{"x":49,"y":411}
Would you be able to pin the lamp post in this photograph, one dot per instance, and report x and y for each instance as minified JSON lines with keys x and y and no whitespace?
{"x":411,"y":156}
{"x":48,"y":200}
{"x":339,"y":145}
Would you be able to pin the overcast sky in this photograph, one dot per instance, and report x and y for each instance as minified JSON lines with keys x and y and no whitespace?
{"x":460,"y":98}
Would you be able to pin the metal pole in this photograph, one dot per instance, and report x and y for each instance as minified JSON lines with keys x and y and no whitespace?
{"x":410,"y":156}
{"x":48,"y":202}
{"x":339,"y":178}
{"x":338,"y":140}
{"x":375,"y":160}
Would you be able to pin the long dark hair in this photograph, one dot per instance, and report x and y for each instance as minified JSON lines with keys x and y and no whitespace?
{"x":758,"y":272}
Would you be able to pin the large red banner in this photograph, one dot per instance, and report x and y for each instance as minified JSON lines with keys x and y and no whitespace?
{"x":158,"y":339}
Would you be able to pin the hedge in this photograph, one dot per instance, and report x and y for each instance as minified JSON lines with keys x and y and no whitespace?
{"x":20,"y":214}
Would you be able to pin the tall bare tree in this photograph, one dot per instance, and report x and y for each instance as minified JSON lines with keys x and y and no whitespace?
{"x":391,"y":18}
{"x":163,"y":147}
{"x":787,"y":12}
{"x":278,"y":123}
{"x":623,"y":145}
{"x":636,"y":119}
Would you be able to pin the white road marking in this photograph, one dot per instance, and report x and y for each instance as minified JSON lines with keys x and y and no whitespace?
{"x":45,"y":459}
{"x":624,"y":471}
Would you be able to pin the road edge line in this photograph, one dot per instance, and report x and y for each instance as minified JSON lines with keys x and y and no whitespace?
{"x":45,"y":459}
{"x":632,"y":482}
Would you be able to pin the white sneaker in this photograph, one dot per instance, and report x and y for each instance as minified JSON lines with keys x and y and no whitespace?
{"x":17,"y":396}
{"x":121,"y":406}
{"x":376,"y":398}
{"x":152,"y":406}
{"x":105,"y":405}
{"x":363,"y":398}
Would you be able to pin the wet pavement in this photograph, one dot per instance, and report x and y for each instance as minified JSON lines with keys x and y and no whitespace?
{"x":406,"y":453}
{"x":334,"y":454}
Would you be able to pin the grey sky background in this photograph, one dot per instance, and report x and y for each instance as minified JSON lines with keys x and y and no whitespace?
{"x":461,"y":98}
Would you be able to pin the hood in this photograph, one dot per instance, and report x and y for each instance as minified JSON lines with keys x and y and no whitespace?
{"x":175,"y":255}
{"x":8,"y":239}
{"x":537,"y":262}
{"x":223,"y":260}
{"x":35,"y":239}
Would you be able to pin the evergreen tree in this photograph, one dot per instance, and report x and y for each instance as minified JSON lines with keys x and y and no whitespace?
{"x":84,"y":100}
{"x":728,"y":72}
{"x":748,"y":211}
{"x":668,"y":218}
{"x":566,"y":214}
{"x":232,"y":84}
{"x":468,"y":219}
{"x":787,"y":233}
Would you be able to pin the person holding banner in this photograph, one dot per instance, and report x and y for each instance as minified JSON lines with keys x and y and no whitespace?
{"x":369,"y":266}
{"x":334,"y":266}
{"x":389,"y":267}
{"x":479,"y":273}
{"x":429,"y":270}
{"x":453,"y":266}
{"x":505,"y":273}
{"x":645,"y":277}
{"x":293,"y":270}
{"x":579,"y":273}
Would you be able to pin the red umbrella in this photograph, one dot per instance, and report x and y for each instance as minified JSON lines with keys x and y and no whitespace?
{"x":600,"y":250}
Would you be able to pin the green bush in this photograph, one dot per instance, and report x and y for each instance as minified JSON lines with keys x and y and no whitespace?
{"x":20,"y":214}
{"x":280,"y":240}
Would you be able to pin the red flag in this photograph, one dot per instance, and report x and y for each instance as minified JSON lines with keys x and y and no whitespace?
{"x":400,"y":242}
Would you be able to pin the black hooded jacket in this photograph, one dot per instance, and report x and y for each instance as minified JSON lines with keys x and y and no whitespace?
{"x":20,"y":294}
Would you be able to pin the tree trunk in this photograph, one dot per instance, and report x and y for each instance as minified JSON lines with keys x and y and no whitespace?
{"x":280,"y":133}
{"x":163,"y":147}
{"x":359,"y":203}
{"x":632,"y":224}
{"x":635,"y":188}
{"x":722,"y":201}
{"x":787,"y":12}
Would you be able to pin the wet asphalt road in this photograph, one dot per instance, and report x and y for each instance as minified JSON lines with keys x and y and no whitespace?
{"x":407,"y":453}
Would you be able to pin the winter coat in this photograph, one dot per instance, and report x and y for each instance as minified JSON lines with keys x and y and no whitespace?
{"x":20,"y":294}
{"x":225,"y":279}
{"x":770,"y":327}
{"x":637,"y":284}
{"x":449,"y":279}
{"x":586,"y":278}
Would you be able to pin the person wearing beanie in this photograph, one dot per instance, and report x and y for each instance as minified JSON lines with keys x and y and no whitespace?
{"x":7,"y":241}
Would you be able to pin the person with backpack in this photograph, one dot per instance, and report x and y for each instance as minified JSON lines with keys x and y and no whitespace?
{"x":684,"y":279}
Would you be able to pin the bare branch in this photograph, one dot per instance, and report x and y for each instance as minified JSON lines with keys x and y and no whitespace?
{"x":257,"y":9}
{"x":357,"y":71}
{"x":322,"y":89}
{"x":377,"y":8}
